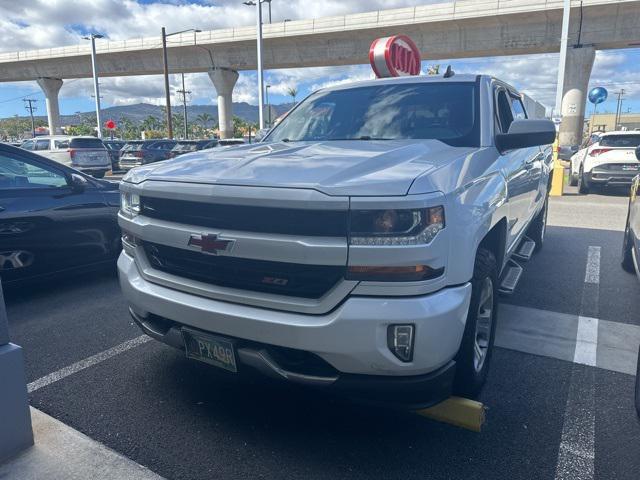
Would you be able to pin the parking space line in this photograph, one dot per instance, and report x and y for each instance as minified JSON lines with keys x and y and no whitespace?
{"x":592,"y":273}
{"x":576,"y":453}
{"x":586,"y":341}
{"x":86,"y":363}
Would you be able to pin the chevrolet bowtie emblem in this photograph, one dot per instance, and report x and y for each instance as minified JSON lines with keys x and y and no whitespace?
{"x":211,"y":244}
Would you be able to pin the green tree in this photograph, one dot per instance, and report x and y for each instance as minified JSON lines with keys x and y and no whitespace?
{"x":292,"y":92}
{"x":204,"y":119}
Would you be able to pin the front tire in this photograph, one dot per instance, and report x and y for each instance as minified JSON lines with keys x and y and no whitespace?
{"x":573,"y":180}
{"x":583,"y":186}
{"x":474,"y":356}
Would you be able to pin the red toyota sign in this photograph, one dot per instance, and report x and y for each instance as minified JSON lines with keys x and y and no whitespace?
{"x":394,"y":56}
{"x":110,"y":124}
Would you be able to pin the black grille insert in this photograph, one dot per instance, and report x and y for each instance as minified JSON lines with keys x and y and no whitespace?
{"x":288,"y":221}
{"x":291,"y":279}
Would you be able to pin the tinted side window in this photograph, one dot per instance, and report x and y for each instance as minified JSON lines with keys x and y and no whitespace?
{"x":28,"y":145}
{"x":61,"y":144}
{"x":518,"y":108}
{"x":505,"y":116}
{"x":42,"y":144}
{"x":18,"y":174}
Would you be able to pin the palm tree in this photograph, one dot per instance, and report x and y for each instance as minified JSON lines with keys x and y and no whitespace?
{"x":151,"y":123}
{"x":204,"y":119}
{"x":292,"y":92}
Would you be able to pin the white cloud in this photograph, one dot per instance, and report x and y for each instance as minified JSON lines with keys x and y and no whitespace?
{"x":29,"y":24}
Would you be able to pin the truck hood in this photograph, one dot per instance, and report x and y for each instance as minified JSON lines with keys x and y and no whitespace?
{"x":350,"y":167}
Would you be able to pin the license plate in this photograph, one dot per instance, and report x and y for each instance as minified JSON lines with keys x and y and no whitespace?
{"x":210,"y":349}
{"x":630,"y":167}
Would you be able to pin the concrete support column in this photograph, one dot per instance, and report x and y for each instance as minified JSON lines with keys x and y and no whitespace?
{"x":51,"y":88}
{"x":576,"y":84}
{"x":224,"y":79}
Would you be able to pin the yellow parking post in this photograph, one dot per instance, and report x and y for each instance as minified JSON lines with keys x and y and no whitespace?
{"x":557,"y":177}
{"x":461,"y":412}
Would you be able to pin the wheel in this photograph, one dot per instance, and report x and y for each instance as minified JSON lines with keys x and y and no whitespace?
{"x":472,"y":360}
{"x":573,"y":180}
{"x":98,"y":175}
{"x":538,"y":228}
{"x":627,"y":246}
{"x":583,"y":187}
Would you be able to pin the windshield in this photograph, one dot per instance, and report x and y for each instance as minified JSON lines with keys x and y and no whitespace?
{"x":442,"y":111}
{"x":624,"y":141}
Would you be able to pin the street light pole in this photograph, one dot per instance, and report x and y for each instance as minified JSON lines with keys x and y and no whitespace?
{"x":259,"y":55}
{"x":165,"y":63}
{"x":167,"y":93}
{"x":96,"y":86}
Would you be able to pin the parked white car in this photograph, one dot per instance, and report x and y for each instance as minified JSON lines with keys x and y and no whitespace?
{"x":606,"y":158}
{"x":87,"y":154}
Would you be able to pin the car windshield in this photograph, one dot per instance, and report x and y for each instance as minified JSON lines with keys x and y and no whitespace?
{"x":442,"y":111}
{"x":624,"y":141}
{"x":86,"y":143}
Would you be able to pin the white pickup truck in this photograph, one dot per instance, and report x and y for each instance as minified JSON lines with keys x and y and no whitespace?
{"x":360,"y":247}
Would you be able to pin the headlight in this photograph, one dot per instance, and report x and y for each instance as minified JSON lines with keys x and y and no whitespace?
{"x":396,"y":227}
{"x":129,"y":204}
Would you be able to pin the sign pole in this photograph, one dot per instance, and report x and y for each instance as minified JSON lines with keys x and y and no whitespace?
{"x":16,"y":433}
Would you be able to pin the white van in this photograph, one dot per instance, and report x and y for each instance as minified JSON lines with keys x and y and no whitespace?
{"x":87,"y":154}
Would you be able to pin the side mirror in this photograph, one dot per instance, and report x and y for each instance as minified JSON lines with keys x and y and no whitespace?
{"x":77,"y":182}
{"x":566,"y":152}
{"x":638,"y":152}
{"x":526,"y":133}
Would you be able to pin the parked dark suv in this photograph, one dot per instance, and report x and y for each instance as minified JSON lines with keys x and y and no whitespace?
{"x":186,"y":146}
{"x":141,"y":152}
{"x":115,"y":147}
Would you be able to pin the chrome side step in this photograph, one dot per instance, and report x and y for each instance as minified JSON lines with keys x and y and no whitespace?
{"x":510,"y":278}
{"x":525,"y":250}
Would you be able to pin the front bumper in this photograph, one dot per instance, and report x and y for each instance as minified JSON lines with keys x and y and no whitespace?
{"x":351,"y":339}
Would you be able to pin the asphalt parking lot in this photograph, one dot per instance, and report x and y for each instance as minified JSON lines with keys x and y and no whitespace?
{"x":559,"y":395}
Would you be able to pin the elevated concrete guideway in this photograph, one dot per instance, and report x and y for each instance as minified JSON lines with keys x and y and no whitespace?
{"x":452,"y":29}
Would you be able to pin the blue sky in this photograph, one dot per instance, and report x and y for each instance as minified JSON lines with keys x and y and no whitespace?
{"x":42,"y":23}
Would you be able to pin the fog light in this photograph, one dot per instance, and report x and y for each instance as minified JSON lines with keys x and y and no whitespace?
{"x":400,"y":341}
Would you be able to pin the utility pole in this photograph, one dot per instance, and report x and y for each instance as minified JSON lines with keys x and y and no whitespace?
{"x":29,"y":106}
{"x":268,"y":106}
{"x":619,"y":108}
{"x":184,"y":106}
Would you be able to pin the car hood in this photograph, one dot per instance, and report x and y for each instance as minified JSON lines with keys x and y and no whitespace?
{"x":350,"y":167}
